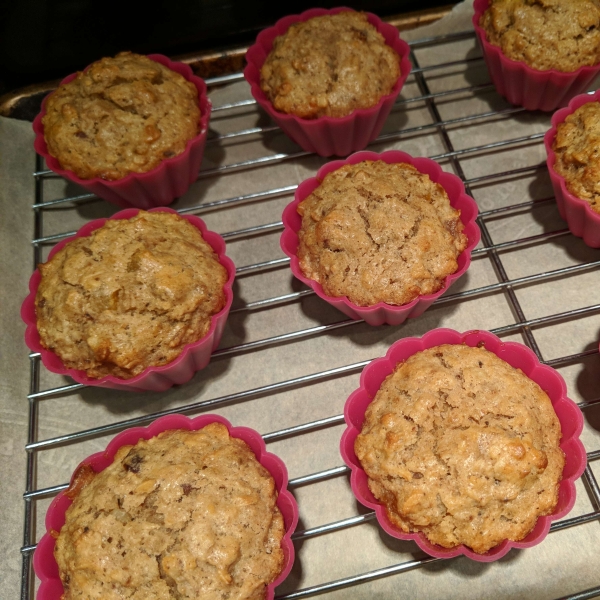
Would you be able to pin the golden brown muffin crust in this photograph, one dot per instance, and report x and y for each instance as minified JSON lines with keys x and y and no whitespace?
{"x":130,"y":295}
{"x":546,"y":34}
{"x":122,"y":115}
{"x":378,"y":232}
{"x":463,"y":447}
{"x":329,"y":66}
{"x":184,"y":515}
{"x":577,"y":150}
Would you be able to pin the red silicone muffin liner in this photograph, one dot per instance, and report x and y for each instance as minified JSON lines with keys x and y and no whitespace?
{"x":381,"y":313}
{"x":194,"y":357}
{"x":327,"y":135}
{"x":44,"y":564}
{"x":583,"y":221}
{"x":157,"y":187}
{"x":517,"y":355}
{"x":521,"y":84}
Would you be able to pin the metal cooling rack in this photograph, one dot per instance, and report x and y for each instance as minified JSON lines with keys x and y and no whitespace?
{"x":488,"y":249}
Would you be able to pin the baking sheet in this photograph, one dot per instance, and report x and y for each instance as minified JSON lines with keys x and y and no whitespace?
{"x":564,"y":563}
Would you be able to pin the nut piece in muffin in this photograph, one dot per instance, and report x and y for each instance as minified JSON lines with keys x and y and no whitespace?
{"x":461,"y":446}
{"x":545,"y":34}
{"x":379,"y":232}
{"x":183,"y":515}
{"x":577,"y":150}
{"x":129,"y":296}
{"x":121,"y":115}
{"x":329,"y":66}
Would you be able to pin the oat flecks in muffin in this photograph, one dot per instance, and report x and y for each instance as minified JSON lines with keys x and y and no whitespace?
{"x":329,"y":66}
{"x":130,"y":295}
{"x":463,"y":447}
{"x":546,"y":34}
{"x":577,"y":150}
{"x":378,"y":232}
{"x":184,"y":515}
{"x":122,"y":115}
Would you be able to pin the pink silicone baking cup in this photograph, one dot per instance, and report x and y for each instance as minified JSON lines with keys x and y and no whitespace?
{"x":327,"y":136}
{"x":381,"y":313}
{"x":157,"y":187}
{"x":583,"y":221}
{"x":521,"y":84}
{"x":44,"y":564}
{"x":517,"y":355}
{"x":194,"y":357}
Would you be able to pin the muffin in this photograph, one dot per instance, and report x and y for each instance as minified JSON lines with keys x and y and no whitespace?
{"x":141,"y":154}
{"x":121,"y":115}
{"x":576,"y":147}
{"x":184,"y":514}
{"x":546,"y":34}
{"x":379,"y":232}
{"x":130,"y":295}
{"x":329,"y":66}
{"x":459,"y":445}
{"x":540,"y":53}
{"x":572,"y":163}
{"x":328,"y":78}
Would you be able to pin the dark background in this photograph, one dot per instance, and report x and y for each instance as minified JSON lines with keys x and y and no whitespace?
{"x":42,"y":40}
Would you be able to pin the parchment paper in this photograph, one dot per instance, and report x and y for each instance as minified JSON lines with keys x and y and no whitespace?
{"x":564,"y":563}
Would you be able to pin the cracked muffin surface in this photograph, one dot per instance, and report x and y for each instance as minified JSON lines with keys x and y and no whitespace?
{"x":183,"y":515}
{"x":379,"y":232}
{"x":546,"y":34}
{"x":329,"y":66}
{"x":577,"y":150}
{"x":130,"y":295}
{"x":122,"y":115}
{"x":461,"y":446}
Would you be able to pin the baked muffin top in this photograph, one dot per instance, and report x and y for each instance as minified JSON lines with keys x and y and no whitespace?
{"x":463,"y":447}
{"x":184,"y":515}
{"x":546,"y":34}
{"x":121,"y":115}
{"x":329,"y":66}
{"x":577,"y":150}
{"x":378,"y":232}
{"x":130,"y":295}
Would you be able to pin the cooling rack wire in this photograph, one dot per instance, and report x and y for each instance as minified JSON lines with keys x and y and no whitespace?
{"x":450,"y":102}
